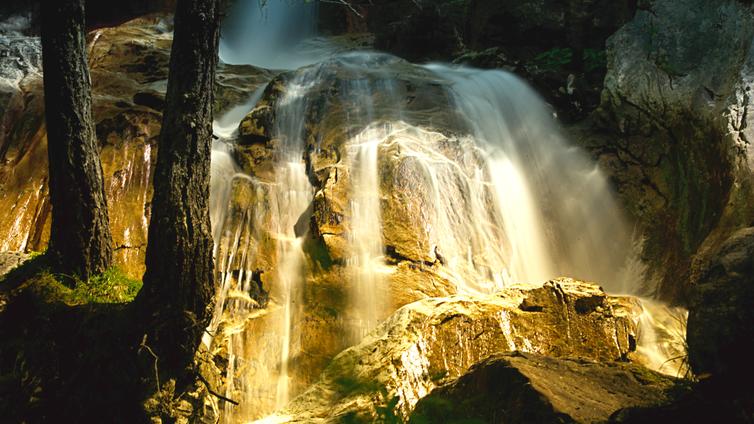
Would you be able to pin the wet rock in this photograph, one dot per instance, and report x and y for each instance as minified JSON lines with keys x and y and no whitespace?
{"x":433,"y":341}
{"x":20,"y":57}
{"x":721,"y":314}
{"x":333,"y":126}
{"x":255,"y":128}
{"x":10,"y":260}
{"x":672,"y":130}
{"x":235,"y":83}
{"x":128,"y":67}
{"x":527,"y":388}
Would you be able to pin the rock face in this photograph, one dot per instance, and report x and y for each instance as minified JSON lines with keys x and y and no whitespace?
{"x":720,"y":313}
{"x":530,"y":388}
{"x":21,"y":58}
{"x":673,"y":129}
{"x":10,"y":260}
{"x":433,"y":341}
{"x":129,"y":70}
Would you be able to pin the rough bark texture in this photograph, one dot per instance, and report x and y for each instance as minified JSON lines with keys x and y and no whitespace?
{"x":80,"y":241}
{"x":178,"y":285}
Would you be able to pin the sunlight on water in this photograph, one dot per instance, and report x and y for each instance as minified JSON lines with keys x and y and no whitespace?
{"x":503,"y":198}
{"x":365,"y":237}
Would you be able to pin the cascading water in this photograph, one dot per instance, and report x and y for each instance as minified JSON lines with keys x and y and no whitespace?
{"x":269,"y":217}
{"x":365,"y":238}
{"x":551,"y":204}
{"x":475,"y":171}
{"x":272,"y":34}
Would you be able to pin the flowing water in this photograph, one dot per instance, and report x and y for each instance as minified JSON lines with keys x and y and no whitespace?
{"x":500,"y":196}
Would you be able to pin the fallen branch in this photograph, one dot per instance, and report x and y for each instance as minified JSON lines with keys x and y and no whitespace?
{"x":346,"y":4}
{"x":212,"y":392}
{"x":156,"y":358}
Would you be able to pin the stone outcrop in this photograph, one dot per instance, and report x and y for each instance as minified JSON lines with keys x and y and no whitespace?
{"x":673,"y":129}
{"x":10,"y":260}
{"x":721,"y":313}
{"x":719,"y":335}
{"x":530,"y":388}
{"x":21,"y":58}
{"x":129,"y":73}
{"x":433,"y":341}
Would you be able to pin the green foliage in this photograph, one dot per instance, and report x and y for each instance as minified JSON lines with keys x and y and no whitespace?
{"x":554,"y":58}
{"x":594,"y":59}
{"x":112,"y":286}
{"x":386,"y":414}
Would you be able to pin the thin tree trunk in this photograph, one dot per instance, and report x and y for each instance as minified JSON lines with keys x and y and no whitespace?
{"x":178,"y":283}
{"x":80,"y":240}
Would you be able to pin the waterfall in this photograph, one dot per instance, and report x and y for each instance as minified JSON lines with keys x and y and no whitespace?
{"x":552,"y":203}
{"x":457,"y":170}
{"x":365,"y":237}
{"x":272,"y":34}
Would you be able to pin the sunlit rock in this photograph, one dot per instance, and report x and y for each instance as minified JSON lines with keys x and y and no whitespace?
{"x":129,"y":66}
{"x":386,"y":183}
{"x":433,"y":341}
{"x":672,"y":130}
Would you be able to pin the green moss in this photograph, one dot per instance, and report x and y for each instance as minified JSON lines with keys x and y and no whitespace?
{"x":112,"y":286}
{"x":557,"y":58}
{"x":554,"y":58}
{"x":594,"y":59}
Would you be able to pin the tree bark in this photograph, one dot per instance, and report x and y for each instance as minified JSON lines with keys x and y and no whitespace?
{"x":80,"y":240}
{"x":178,"y":283}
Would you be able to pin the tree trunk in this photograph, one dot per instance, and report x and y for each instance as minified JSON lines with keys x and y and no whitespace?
{"x":80,"y":240}
{"x":178,"y":283}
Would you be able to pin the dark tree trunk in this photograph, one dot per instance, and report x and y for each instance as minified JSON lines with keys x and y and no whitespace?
{"x":178,"y":283}
{"x":80,"y":240}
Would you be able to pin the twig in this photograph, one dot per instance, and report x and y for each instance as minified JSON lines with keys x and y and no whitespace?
{"x":346,"y":4}
{"x":212,"y":392}
{"x":142,"y":346}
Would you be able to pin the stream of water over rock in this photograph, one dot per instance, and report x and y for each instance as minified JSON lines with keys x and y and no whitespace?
{"x":384,"y":162}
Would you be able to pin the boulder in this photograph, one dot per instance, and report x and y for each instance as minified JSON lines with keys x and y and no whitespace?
{"x":720,"y":327}
{"x":530,"y":388}
{"x":433,"y":341}
{"x":10,"y":260}
{"x":672,"y":129}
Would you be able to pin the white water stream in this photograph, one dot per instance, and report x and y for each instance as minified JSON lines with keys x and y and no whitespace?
{"x":510,"y":201}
